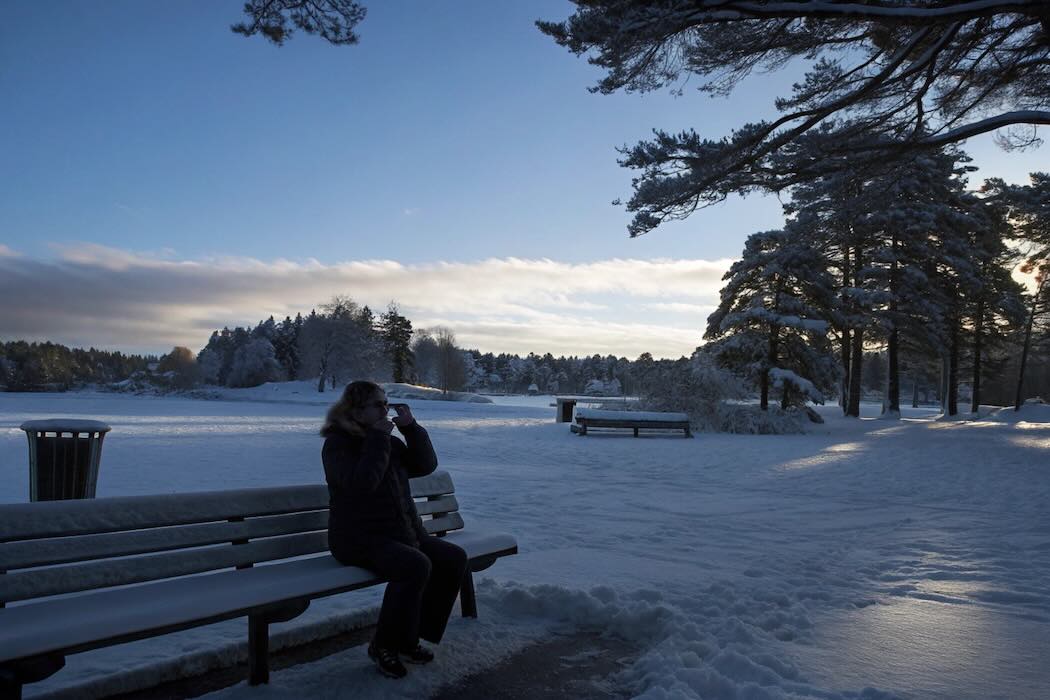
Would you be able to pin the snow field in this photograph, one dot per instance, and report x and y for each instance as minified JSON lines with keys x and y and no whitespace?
{"x":866,"y":559}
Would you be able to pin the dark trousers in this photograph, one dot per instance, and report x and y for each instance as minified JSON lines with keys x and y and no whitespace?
{"x":424,"y":583}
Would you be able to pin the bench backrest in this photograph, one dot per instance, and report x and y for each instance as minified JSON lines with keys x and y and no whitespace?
{"x":55,"y":547}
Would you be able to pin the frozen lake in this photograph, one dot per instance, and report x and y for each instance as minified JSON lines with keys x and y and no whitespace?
{"x":867,"y":558}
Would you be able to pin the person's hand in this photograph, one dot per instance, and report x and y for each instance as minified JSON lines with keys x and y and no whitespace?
{"x":404,"y":415}
{"x":384,"y":425}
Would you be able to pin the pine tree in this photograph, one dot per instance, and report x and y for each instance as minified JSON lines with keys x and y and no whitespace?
{"x":771,"y":323}
{"x":1029,"y":207}
{"x":396,"y":331}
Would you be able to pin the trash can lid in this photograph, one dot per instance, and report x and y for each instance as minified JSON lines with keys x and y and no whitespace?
{"x":64,"y":425}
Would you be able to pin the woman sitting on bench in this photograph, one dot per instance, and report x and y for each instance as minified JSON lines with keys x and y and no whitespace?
{"x":373,"y":522}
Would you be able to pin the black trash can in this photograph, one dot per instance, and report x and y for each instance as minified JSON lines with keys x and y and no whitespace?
{"x":64,"y":455}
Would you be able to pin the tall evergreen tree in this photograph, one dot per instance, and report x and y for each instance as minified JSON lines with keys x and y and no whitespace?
{"x":396,"y":331}
{"x":1029,"y":206}
{"x":771,"y":323}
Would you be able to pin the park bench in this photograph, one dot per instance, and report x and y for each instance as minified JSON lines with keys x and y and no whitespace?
{"x":196,"y":558}
{"x":587,"y":418}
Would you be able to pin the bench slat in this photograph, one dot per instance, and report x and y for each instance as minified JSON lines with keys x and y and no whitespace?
{"x":444,"y":504}
{"x":22,"y":521}
{"x":437,"y":484}
{"x":64,"y":550}
{"x":35,"y":583}
{"x":443,"y":523}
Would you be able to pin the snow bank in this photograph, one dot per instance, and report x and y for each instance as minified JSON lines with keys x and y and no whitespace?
{"x":1033,"y":411}
{"x":411,"y":391}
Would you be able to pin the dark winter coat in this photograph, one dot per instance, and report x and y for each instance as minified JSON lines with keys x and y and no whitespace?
{"x":368,"y":488}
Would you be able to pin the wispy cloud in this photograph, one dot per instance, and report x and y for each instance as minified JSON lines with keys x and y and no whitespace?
{"x":678,"y":307}
{"x":94,"y":295}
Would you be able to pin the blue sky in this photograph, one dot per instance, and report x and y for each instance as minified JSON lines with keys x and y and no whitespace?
{"x":146,"y":136}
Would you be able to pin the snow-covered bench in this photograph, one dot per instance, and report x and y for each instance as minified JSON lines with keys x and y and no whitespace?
{"x":587,"y":418}
{"x":197,"y":558}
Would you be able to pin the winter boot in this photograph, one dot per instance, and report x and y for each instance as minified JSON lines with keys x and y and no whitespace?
{"x":387,"y":661}
{"x":419,"y":655}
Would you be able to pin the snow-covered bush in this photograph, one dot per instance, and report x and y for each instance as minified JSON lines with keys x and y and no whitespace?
{"x":254,"y":363}
{"x":179,"y":369}
{"x":697,"y":386}
{"x":750,"y":419}
{"x":712,"y":396}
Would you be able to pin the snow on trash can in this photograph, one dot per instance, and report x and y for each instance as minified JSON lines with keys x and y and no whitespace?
{"x":64,"y":455}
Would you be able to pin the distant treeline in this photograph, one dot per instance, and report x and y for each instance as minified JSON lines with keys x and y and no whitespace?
{"x":48,"y":366}
{"x":343,"y":341}
{"x":336,"y":343}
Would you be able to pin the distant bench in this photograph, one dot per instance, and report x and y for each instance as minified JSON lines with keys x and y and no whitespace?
{"x":587,"y":418}
{"x":94,"y":547}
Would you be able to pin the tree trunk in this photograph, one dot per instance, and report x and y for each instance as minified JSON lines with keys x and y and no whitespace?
{"x":978,"y":333}
{"x":324,"y":374}
{"x":856,"y":360}
{"x":846,"y":337}
{"x":953,"y":371}
{"x":764,"y":390}
{"x":1019,"y":396}
{"x":774,"y":341}
{"x":844,"y":352}
{"x":893,"y":378}
{"x":942,"y":383}
{"x":914,"y":390}
{"x":857,"y":354}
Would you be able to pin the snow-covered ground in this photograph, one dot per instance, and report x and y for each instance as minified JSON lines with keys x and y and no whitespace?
{"x":866,"y":559}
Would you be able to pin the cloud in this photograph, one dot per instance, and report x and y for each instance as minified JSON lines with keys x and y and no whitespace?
{"x":678,"y":307}
{"x":94,"y":295}
{"x":6,"y":252}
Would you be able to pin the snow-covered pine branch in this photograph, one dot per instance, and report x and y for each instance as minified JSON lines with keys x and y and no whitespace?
{"x":886,"y":79}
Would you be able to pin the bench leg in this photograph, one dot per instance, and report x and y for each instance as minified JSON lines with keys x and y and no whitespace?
{"x":258,"y":650}
{"x":636,"y":432}
{"x":16,"y":674}
{"x":468,"y":603}
{"x":259,"y":637}
{"x":10,"y":685}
